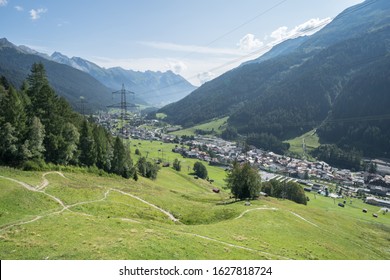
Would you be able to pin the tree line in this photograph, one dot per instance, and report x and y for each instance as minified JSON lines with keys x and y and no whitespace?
{"x":38,"y":127}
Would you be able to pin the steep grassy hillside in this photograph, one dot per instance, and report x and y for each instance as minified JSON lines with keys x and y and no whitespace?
{"x":75,"y":215}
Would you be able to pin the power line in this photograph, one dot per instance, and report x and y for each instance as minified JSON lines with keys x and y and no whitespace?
{"x":338,"y":121}
{"x":220,"y":37}
{"x":123,"y":105}
{"x":267,"y":47}
{"x":82,"y":103}
{"x":245,"y":23}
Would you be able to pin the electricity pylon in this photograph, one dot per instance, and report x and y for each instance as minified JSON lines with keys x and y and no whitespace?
{"x":82,"y":105}
{"x":123,"y":105}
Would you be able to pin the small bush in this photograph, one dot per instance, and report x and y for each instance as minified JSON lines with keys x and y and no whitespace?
{"x":33,"y":165}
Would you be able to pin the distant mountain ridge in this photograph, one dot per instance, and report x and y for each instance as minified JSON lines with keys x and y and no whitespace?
{"x":156,"y":88}
{"x":15,"y":65}
{"x":284,"y":48}
{"x":153,"y":88}
{"x":300,"y":85}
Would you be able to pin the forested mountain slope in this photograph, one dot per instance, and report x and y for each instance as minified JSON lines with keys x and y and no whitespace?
{"x":292,"y":93}
{"x":70,"y":83}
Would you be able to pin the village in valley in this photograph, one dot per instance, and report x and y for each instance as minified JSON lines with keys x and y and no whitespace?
{"x":315,"y":176}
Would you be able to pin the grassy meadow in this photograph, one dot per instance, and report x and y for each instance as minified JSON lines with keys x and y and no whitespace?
{"x":213,"y":127}
{"x":86,"y":216}
{"x":311,"y":141}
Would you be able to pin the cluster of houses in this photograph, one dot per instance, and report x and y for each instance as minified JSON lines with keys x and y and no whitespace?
{"x":224,"y":152}
{"x":220,"y":152}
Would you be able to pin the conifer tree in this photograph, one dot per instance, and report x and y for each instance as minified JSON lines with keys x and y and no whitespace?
{"x":87,"y":145}
{"x":8,"y":144}
{"x":103,"y":148}
{"x":13,"y":111}
{"x":118,"y":160}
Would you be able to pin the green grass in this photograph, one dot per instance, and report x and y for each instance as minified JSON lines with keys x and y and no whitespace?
{"x":18,"y":203}
{"x":100,"y":222}
{"x":154,"y":150}
{"x":311,"y":142}
{"x":213,"y":127}
{"x":161,"y":116}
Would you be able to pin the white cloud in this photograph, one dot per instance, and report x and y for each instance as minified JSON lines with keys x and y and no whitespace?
{"x":205,"y":77}
{"x":36,"y":14}
{"x":280,"y":33}
{"x":19,"y":8}
{"x":177,"y":66}
{"x":307,"y":28}
{"x":3,"y":3}
{"x":248,"y":43}
{"x":190,"y":48}
{"x":211,"y":62}
{"x":311,"y":26}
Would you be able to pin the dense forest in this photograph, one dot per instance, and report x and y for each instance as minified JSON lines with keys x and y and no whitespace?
{"x":37,"y":127}
{"x":361,"y":116}
{"x":67,"y":82}
{"x":336,"y":81}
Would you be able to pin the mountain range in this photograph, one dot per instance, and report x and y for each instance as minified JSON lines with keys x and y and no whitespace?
{"x":15,"y":66}
{"x":335,"y":81}
{"x":155,"y":88}
{"x":75,"y":77}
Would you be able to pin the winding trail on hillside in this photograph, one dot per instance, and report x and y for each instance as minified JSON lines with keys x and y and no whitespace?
{"x":45,"y":182}
{"x":275,"y":209}
{"x":302,"y":218}
{"x":25,"y":185}
{"x":35,"y":189}
{"x":169,"y":215}
{"x":235,"y":246}
{"x":255,"y":209}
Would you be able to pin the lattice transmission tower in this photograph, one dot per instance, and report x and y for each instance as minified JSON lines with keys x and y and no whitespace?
{"x":82,"y":103}
{"x":123,"y":106}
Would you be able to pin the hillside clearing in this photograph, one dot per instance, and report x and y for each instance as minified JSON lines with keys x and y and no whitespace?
{"x":84,"y":216}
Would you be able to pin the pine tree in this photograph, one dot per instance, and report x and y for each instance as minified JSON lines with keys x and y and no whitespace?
{"x":13,"y":111}
{"x":8,"y":144}
{"x":87,"y":145}
{"x":103,"y":160}
{"x":118,"y":160}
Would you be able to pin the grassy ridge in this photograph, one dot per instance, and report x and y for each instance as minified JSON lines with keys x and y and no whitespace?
{"x":213,"y":127}
{"x":105,"y":218}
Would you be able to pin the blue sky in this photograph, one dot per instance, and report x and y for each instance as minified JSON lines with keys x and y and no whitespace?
{"x":199,"y":39}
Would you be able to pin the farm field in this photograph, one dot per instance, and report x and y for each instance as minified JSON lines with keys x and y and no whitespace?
{"x":214,"y":127}
{"x":76,"y":215}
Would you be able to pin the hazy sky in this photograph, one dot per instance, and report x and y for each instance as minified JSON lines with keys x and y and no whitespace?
{"x":198,"y":39}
